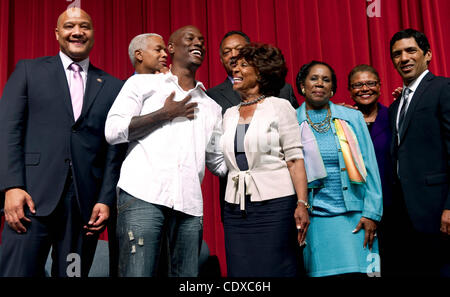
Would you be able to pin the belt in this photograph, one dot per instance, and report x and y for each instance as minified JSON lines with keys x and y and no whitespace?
{"x":240,"y":180}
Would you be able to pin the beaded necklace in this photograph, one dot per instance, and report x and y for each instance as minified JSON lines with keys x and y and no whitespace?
{"x":253,"y":101}
{"x":322,"y":126}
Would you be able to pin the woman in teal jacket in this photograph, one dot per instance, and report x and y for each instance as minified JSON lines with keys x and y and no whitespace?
{"x":344,"y":200}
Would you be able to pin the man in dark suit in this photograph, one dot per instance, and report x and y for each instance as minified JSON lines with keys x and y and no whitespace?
{"x":224,"y":94}
{"x":57,"y":170}
{"x":418,"y":227}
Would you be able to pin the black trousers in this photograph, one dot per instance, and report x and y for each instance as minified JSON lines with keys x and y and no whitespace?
{"x":25,"y":255}
{"x":406,"y":252}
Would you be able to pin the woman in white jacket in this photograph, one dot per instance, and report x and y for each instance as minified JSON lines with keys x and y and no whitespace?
{"x":265,"y":211}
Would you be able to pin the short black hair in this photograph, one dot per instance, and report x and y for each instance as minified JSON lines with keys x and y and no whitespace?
{"x":304,"y":71}
{"x":234,"y":32}
{"x":419,"y":37}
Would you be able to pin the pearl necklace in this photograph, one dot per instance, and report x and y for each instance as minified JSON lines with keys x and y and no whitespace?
{"x":253,"y":101}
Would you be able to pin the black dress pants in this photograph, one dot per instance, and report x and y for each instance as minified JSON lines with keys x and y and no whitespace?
{"x":25,"y":255}
{"x":406,"y":252}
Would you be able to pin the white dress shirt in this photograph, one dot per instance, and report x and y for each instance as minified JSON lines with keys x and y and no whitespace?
{"x":412,"y":86}
{"x":66,"y":61}
{"x":167,"y":166}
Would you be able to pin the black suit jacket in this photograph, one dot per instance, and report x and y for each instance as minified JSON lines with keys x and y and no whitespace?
{"x":424,"y":152}
{"x":41,"y":142}
{"x":226,"y":97}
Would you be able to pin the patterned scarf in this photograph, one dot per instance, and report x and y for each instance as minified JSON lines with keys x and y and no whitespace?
{"x":315,"y":168}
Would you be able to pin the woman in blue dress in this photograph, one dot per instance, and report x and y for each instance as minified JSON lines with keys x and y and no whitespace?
{"x":344,"y":188}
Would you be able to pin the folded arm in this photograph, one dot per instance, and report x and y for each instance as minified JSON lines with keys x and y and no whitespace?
{"x":125,"y":122}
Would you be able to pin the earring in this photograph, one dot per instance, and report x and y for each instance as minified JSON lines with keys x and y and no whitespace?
{"x":303,"y":90}
{"x":332,"y":94}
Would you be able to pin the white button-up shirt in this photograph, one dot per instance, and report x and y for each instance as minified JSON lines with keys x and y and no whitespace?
{"x":412,"y":86}
{"x":167,"y":166}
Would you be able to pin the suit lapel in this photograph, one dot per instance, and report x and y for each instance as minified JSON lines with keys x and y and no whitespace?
{"x":229,"y":94}
{"x":55,"y":66}
{"x":414,"y":101}
{"x":94,"y":83}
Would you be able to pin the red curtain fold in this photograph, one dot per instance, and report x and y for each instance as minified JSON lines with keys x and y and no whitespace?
{"x":339,"y":32}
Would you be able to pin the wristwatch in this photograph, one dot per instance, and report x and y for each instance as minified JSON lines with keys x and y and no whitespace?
{"x":306,"y":204}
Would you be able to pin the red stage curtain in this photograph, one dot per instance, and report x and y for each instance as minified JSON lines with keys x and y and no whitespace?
{"x":339,"y":32}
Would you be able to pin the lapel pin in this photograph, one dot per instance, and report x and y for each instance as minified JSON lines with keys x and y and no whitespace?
{"x":99,"y":80}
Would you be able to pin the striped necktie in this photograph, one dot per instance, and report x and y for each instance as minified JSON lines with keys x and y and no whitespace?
{"x":401,"y":116}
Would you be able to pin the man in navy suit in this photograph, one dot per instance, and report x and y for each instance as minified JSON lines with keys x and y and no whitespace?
{"x":58,"y":172}
{"x":417,"y":230}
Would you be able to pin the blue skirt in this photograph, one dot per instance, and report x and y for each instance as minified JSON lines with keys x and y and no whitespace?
{"x":262,"y":243}
{"x":333,"y":249}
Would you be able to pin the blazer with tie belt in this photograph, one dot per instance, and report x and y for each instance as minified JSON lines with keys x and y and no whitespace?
{"x":273,"y":137}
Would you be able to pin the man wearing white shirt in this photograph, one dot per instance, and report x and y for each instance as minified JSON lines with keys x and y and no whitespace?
{"x":160,"y":180}
{"x":418,"y":223}
{"x":147,"y":53}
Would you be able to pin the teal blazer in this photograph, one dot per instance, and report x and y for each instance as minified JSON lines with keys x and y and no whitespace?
{"x":367,"y":197}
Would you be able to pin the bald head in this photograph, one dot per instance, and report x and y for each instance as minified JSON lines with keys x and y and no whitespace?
{"x":75,"y":33}
{"x":180,"y":32}
{"x":187,"y":47}
{"x":71,"y":13}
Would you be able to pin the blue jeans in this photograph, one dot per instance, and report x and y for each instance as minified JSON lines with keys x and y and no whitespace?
{"x":141,"y":227}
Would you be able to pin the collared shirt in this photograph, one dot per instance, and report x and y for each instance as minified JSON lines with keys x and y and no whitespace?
{"x":412,"y":86}
{"x":167,"y":166}
{"x":66,"y":61}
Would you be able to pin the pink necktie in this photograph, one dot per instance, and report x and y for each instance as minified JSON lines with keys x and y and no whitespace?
{"x":76,"y":90}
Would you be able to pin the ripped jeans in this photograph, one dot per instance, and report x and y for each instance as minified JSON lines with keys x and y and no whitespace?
{"x":141,"y":227}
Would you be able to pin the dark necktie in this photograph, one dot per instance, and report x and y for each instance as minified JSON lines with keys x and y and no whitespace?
{"x":401,"y":116}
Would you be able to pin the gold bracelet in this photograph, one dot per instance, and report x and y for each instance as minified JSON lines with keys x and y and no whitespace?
{"x":306,"y":204}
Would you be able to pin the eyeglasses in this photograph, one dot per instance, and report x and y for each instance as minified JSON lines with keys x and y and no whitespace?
{"x":369,"y":84}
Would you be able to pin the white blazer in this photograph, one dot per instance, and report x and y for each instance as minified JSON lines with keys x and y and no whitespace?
{"x":272,"y":138}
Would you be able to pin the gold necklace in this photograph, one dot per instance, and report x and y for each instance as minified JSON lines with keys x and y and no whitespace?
{"x":322,"y":126}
